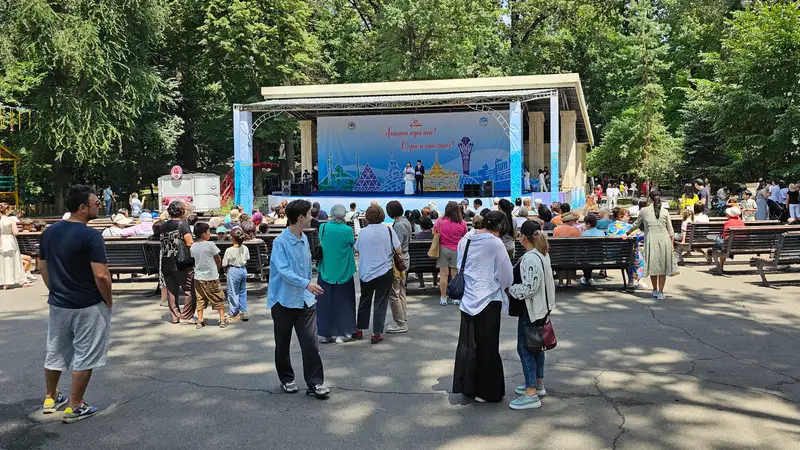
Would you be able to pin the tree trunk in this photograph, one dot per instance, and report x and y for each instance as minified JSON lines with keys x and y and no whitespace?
{"x":287,"y":169}
{"x":60,"y":186}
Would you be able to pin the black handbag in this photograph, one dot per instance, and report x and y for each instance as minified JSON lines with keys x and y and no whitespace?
{"x":540,"y":335}
{"x":183,"y":255}
{"x":316,"y":255}
{"x":455,"y":288}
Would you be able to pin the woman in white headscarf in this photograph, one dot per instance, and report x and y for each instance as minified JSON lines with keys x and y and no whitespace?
{"x":336,"y":307}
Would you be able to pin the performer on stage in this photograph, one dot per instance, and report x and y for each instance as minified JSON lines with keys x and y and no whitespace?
{"x":419,"y":174}
{"x":409,"y":178}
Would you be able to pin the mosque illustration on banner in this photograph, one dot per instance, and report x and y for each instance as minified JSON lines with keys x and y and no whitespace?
{"x":436,"y":180}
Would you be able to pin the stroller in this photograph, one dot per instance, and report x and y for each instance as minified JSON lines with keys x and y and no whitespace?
{"x":777,"y":211}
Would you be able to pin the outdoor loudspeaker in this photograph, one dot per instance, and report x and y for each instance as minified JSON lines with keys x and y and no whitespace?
{"x":488,"y":188}
{"x":472,"y":190}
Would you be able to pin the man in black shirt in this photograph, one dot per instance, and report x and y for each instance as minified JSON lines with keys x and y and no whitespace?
{"x":419,"y":175}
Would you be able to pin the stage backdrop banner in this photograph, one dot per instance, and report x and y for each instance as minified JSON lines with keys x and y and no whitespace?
{"x":369,"y":153}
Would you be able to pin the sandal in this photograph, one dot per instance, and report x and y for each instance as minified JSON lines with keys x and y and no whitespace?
{"x":223,"y":324}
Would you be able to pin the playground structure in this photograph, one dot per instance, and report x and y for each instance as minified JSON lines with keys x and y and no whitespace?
{"x":9,"y":185}
{"x":227,"y":187}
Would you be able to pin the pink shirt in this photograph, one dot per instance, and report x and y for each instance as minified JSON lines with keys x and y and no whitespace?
{"x":450,"y":232}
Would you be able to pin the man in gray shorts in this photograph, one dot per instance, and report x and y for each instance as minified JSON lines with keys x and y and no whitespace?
{"x":74,"y":268}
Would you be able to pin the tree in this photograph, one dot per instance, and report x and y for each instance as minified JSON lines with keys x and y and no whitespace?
{"x":758,"y":69}
{"x":636,"y":140}
{"x":91,"y":80}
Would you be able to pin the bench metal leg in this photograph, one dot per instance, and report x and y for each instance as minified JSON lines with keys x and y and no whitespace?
{"x":760,"y":266}
{"x":624,"y":280}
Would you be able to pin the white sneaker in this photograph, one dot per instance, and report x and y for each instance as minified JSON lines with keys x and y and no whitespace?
{"x":660,"y":296}
{"x":583,"y":281}
{"x":443,"y":301}
{"x":654,"y":293}
{"x":457,"y":302}
{"x":592,"y":282}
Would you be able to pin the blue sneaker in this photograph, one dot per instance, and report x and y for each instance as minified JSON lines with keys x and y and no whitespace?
{"x":540,"y":390}
{"x":82,"y":412}
{"x":525,"y":402}
{"x":52,"y":405}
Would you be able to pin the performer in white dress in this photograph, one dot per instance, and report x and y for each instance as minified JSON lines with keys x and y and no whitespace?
{"x":11,"y":270}
{"x":408,"y":177}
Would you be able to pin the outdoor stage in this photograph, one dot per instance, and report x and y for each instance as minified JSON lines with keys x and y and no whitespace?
{"x":409,"y":202}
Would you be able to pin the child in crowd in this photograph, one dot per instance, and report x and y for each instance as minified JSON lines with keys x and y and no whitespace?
{"x":222,"y":233}
{"x":235,"y":262}
{"x":206,"y":275}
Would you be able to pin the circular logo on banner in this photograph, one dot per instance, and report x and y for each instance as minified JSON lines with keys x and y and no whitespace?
{"x":176,"y":172}
{"x":351,"y":126}
{"x":483,"y":121}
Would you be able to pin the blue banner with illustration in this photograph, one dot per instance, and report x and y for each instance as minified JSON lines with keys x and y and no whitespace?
{"x":369,"y":153}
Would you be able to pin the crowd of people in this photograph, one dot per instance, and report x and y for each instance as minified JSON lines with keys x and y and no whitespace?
{"x":479,"y":273}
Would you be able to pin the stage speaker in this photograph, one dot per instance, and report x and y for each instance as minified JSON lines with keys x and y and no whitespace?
{"x":286,"y":187}
{"x":299,"y":189}
{"x":472,"y":190}
{"x":488,"y":188}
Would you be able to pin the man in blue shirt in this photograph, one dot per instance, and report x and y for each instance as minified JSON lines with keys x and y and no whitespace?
{"x":291,"y":299}
{"x":72,"y":259}
{"x":109,"y":196}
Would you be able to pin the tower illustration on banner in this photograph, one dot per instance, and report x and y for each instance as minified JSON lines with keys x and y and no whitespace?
{"x":393,"y":181}
{"x":465,"y":145}
{"x":336,"y":178}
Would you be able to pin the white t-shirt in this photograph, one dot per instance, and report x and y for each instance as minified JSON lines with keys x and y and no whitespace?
{"x":205,"y":267}
{"x":375,"y":251}
{"x":236,"y":256}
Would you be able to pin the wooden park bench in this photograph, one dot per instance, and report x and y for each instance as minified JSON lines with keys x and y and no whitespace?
{"x":128,"y":255}
{"x":786,"y":252}
{"x":700,"y":236}
{"x":420,"y":262}
{"x":749,"y":240}
{"x":595,"y":253}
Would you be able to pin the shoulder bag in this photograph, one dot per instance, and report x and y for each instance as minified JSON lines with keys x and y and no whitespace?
{"x":433,"y":252}
{"x":540,"y":335}
{"x":316,"y":255}
{"x":397,"y":261}
{"x":183,"y":256}
{"x":455,"y":288}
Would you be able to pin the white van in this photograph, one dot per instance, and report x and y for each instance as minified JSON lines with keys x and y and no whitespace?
{"x":199,"y":190}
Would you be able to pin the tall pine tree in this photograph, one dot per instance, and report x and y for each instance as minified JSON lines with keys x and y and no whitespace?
{"x":636,"y":142}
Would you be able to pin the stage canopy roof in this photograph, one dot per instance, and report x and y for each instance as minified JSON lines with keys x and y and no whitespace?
{"x":464,"y":94}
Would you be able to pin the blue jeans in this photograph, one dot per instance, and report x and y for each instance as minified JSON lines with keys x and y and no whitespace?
{"x":109,"y":205}
{"x":532,"y":364}
{"x":237,"y":290}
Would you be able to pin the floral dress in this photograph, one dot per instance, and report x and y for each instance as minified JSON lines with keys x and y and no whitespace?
{"x":618,"y":228}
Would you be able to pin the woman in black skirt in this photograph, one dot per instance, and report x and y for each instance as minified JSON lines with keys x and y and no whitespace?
{"x":487,"y":274}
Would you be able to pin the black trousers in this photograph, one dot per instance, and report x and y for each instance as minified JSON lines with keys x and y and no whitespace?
{"x":478,"y":368}
{"x":304,"y":323}
{"x":381,"y":287}
{"x":419,"y":183}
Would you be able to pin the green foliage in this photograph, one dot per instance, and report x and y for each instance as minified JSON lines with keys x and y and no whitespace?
{"x":122,"y":89}
{"x":636,"y":141}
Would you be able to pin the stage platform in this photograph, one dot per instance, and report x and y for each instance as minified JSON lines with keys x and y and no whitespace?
{"x":409,"y":202}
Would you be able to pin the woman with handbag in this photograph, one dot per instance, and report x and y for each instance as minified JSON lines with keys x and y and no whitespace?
{"x":336,"y":307}
{"x":487,"y":272}
{"x":449,"y":229}
{"x":377,"y":245}
{"x":397,"y":298}
{"x":531,"y":297}
{"x":176,"y":262}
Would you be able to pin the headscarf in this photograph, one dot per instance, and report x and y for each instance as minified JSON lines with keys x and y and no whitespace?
{"x":337,"y":213}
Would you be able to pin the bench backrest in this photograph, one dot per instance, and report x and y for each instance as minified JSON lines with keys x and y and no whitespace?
{"x":584,"y":252}
{"x":703,"y":232}
{"x":752,"y":240}
{"x":787,"y":249}
{"x":420,"y":261}
{"x":126,"y":256}
{"x":259,"y":259}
